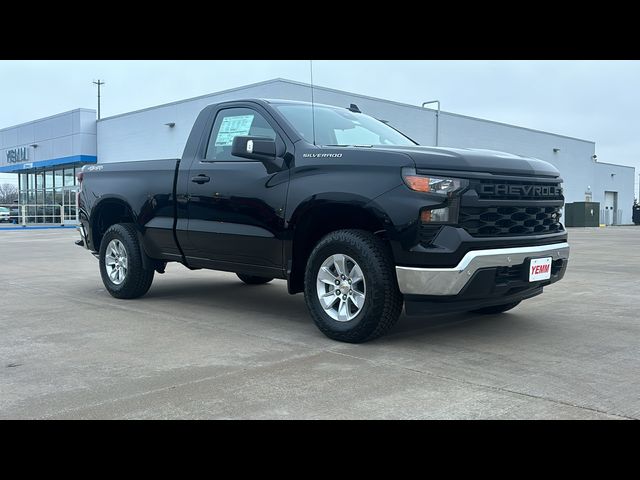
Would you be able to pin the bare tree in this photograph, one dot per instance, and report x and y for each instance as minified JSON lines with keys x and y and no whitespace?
{"x":8,"y":193}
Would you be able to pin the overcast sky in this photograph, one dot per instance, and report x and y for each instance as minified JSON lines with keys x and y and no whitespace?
{"x":593,"y":100}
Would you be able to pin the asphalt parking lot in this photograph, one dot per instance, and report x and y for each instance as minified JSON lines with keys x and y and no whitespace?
{"x":203,"y":345}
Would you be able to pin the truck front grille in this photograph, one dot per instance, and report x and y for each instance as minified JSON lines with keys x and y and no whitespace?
{"x":510,"y":221}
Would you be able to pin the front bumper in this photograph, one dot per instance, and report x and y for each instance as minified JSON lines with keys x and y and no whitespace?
{"x":452,"y":281}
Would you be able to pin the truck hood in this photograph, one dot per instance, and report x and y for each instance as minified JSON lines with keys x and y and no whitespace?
{"x":476,"y":160}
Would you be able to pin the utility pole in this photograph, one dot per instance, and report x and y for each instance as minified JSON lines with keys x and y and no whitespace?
{"x":98,"y":83}
{"x":437,"y":117}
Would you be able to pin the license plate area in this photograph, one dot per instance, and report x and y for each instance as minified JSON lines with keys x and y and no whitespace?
{"x":539,"y":269}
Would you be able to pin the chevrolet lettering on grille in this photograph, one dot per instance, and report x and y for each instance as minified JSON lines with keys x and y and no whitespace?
{"x":521,"y":190}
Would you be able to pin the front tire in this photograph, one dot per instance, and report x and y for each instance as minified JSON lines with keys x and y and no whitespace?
{"x":252,"y":279}
{"x":121,"y":266}
{"x":368,"y":303}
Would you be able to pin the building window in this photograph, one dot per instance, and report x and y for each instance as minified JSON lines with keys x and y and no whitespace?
{"x":69,"y":177}
{"x":48,"y":179}
{"x":58,"y":196}
{"x":39,"y":180}
{"x":54,"y":188}
{"x":59,"y":178}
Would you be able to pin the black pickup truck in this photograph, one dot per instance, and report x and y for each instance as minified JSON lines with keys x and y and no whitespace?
{"x":342,"y":206}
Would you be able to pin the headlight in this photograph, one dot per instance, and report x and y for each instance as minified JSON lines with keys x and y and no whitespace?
{"x":432,"y":184}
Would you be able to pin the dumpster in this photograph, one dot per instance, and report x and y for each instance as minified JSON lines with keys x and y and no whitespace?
{"x":582,"y":214}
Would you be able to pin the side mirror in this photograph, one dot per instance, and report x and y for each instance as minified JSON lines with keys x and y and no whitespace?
{"x":257,"y":148}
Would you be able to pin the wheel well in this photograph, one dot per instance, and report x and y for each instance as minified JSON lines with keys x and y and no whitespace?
{"x":107,"y":213}
{"x":319,"y":221}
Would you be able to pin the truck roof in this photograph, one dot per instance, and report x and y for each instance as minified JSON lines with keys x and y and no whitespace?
{"x":282,"y":101}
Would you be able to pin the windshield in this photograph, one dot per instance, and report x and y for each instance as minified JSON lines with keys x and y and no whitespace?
{"x":4,"y":210}
{"x":340,"y":127}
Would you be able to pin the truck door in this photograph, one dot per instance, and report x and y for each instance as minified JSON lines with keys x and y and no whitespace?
{"x":235,"y":208}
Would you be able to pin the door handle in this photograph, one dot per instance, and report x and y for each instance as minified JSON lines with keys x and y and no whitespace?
{"x":202,"y":178}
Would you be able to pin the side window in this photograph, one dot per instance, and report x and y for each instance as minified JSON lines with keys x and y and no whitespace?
{"x":233,"y":122}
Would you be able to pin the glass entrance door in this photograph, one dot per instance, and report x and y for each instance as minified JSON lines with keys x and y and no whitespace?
{"x":69,"y":205}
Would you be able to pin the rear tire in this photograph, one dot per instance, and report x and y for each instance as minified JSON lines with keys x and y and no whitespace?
{"x":369,"y":302}
{"x":252,"y":279}
{"x":121,"y":265}
{"x":497,"y":308}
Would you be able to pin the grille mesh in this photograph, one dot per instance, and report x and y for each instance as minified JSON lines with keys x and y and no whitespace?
{"x":506,"y":221}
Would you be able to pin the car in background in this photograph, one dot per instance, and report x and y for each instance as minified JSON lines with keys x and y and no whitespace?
{"x":5,"y":215}
{"x":15,"y":213}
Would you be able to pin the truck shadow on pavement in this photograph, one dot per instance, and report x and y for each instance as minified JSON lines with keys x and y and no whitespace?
{"x":273,"y":300}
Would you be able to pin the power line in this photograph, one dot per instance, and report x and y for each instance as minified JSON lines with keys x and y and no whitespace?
{"x":98,"y":83}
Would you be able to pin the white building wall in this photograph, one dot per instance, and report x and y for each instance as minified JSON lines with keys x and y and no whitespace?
{"x":622,"y":181}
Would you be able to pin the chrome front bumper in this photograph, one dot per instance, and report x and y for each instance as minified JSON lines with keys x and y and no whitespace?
{"x":451,"y":281}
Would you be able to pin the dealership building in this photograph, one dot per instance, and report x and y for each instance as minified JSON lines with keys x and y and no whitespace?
{"x":46,"y":153}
